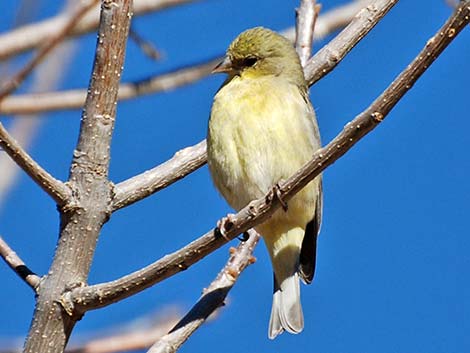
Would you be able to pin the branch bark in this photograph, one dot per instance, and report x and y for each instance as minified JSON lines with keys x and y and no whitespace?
{"x":17,"y":265}
{"x":212,"y":298}
{"x":100,"y":295}
{"x":81,"y":222}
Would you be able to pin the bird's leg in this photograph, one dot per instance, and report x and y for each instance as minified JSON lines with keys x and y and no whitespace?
{"x":224,"y":224}
{"x":277,"y":193}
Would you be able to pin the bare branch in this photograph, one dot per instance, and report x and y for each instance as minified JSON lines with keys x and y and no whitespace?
{"x":17,"y":265}
{"x":212,"y":298}
{"x":306,"y":16}
{"x":184,"y":162}
{"x":330,"y":55}
{"x":31,"y":36}
{"x":100,"y":295}
{"x":74,"y":99}
{"x":55,"y":188}
{"x":72,"y":18}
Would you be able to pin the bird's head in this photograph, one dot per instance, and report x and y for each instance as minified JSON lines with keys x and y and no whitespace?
{"x":261,"y":52}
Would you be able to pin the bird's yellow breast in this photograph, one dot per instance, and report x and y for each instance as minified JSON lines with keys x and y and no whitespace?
{"x":261,"y":131}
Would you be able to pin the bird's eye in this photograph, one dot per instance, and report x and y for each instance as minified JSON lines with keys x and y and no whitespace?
{"x":250,"y":61}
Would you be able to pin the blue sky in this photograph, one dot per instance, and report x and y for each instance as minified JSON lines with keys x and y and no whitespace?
{"x":393,"y":257}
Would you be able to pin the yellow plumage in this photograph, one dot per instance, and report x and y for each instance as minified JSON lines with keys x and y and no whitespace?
{"x":263,"y":129}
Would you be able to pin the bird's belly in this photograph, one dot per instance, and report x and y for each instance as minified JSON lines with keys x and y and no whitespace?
{"x":256,"y":140}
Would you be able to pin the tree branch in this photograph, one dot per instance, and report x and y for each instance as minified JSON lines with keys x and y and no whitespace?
{"x":74,"y":99}
{"x":28,"y":37}
{"x":72,"y":18}
{"x":17,"y":265}
{"x":330,"y":55}
{"x":55,"y":188}
{"x":100,"y":295}
{"x":183,"y":162}
{"x":212,"y":298}
{"x":306,"y":16}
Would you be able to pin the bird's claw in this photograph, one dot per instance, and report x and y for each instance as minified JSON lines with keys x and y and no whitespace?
{"x":224,"y":224}
{"x":277,"y":193}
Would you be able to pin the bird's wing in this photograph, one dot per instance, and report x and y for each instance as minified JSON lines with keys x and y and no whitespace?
{"x":308,"y":251}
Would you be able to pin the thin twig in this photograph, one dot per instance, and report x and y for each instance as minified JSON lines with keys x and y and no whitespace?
{"x":74,"y":99}
{"x":18,"y":265}
{"x":31,"y":36}
{"x":100,"y":295}
{"x":330,"y":55}
{"x":75,"y":16}
{"x":146,"y":46}
{"x":55,"y":188}
{"x":306,"y":15}
{"x":212,"y":298}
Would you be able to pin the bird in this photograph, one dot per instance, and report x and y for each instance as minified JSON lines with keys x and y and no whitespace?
{"x":262,"y":129}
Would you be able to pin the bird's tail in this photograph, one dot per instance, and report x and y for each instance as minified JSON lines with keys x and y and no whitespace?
{"x":286,"y":312}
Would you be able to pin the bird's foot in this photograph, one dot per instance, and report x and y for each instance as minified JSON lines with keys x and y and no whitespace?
{"x":224,"y":225}
{"x":278,"y":194}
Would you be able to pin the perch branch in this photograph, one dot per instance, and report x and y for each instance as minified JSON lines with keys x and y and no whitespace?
{"x":212,"y":298}
{"x":100,"y":295}
{"x":17,"y":265}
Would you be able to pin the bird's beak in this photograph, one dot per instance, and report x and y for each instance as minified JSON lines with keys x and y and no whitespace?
{"x":224,"y":66}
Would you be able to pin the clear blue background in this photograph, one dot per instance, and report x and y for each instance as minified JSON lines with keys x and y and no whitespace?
{"x":393,"y":257}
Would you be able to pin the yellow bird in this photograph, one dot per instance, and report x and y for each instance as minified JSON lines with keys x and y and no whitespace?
{"x":261,"y":130}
